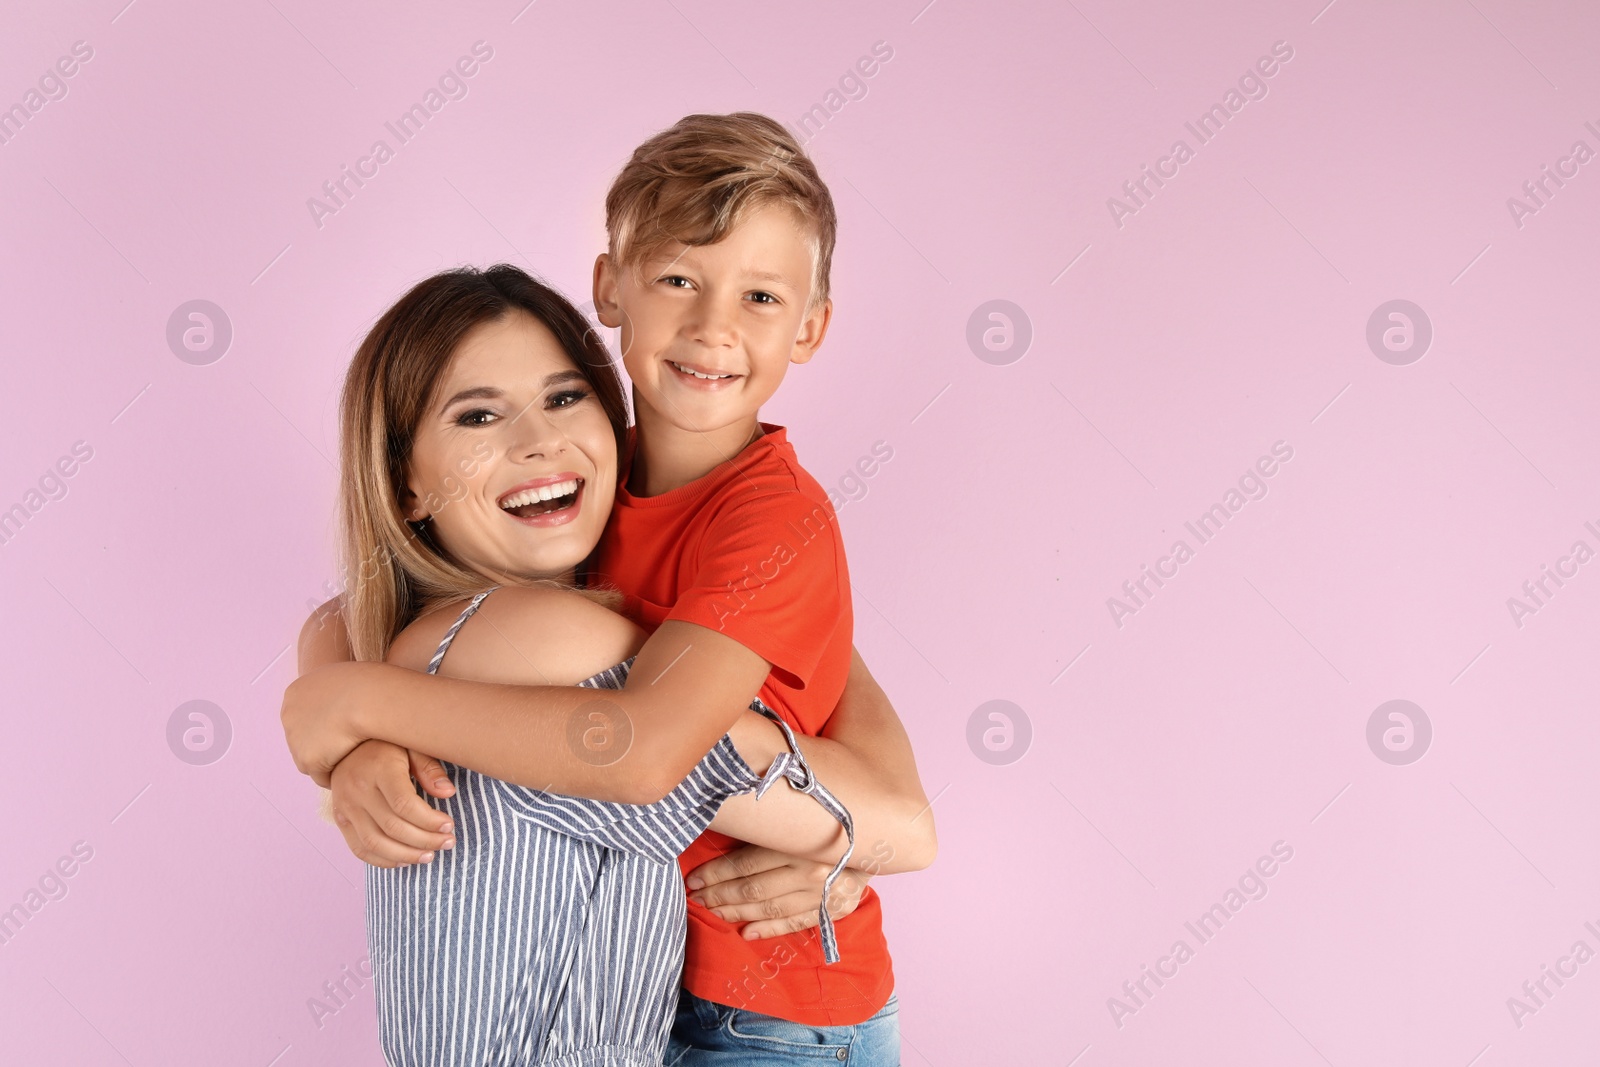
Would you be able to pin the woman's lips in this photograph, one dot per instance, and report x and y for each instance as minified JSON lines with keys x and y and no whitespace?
{"x":566,"y":509}
{"x":537,"y":483}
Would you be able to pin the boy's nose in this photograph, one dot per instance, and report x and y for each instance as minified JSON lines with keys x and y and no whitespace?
{"x":713,"y":324}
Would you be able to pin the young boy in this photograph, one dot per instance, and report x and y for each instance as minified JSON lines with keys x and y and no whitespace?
{"x":721,"y":236}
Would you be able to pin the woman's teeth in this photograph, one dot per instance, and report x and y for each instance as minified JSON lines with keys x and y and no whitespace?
{"x":542,"y":495}
{"x":709,"y":377}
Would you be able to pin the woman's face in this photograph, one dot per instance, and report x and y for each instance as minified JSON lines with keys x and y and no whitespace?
{"x":514,"y":459}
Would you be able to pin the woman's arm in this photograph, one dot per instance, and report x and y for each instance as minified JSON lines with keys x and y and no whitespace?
{"x":771,"y":892}
{"x":323,"y":638}
{"x":864,"y":758}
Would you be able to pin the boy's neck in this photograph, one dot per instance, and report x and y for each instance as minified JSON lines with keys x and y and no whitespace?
{"x":666,"y":457}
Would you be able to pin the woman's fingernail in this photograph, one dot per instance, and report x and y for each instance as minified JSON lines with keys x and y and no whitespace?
{"x":446,"y":828}
{"x":427,"y":857}
{"x":449,"y":842}
{"x":695,"y":882}
{"x":697,"y":898}
{"x":442,"y":784}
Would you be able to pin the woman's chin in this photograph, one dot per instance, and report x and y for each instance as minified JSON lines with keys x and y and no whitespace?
{"x":550,"y":565}
{"x":529,"y":553}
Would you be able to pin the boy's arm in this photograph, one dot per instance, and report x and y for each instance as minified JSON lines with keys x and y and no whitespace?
{"x":690,"y":682}
{"x":688,"y":685}
{"x":863,"y":722}
{"x":373,"y":803}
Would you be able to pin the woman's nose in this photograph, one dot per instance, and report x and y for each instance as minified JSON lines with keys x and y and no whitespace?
{"x":533,"y":434}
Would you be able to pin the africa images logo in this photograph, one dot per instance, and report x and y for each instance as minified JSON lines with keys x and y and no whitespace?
{"x":451,"y":85}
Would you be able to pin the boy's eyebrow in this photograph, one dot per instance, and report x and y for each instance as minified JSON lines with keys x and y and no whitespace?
{"x":489,"y":392}
{"x":661,"y":262}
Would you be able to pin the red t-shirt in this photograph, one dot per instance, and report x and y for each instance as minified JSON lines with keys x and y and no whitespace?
{"x":752,"y":550}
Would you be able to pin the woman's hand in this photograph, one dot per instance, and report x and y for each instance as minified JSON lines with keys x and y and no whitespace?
{"x":770,"y":892}
{"x":380,"y":815}
{"x":320,"y":712}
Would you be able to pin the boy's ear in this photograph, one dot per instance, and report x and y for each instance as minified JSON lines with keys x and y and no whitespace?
{"x":606,"y":306}
{"x":813,"y":328}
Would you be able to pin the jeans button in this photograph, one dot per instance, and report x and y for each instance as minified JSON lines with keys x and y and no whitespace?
{"x":842,"y":1055}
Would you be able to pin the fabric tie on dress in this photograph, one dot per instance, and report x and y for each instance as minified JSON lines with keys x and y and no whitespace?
{"x":792,"y":766}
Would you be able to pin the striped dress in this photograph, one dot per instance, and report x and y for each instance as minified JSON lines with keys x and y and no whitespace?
{"x":553,"y":932}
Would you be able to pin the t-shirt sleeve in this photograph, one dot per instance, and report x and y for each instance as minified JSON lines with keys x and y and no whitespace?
{"x":769,"y":577}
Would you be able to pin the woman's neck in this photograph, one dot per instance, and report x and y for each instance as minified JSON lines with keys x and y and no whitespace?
{"x":567,"y":577}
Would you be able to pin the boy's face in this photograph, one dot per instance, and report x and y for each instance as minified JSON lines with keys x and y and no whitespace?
{"x":708,"y":331}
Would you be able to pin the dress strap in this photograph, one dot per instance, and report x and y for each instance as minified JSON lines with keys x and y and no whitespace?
{"x":792,"y":765}
{"x":455,"y":628}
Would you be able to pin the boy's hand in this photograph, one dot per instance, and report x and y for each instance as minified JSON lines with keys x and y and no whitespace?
{"x":380,"y":815}
{"x":320,"y":709}
{"x":771,"y":892}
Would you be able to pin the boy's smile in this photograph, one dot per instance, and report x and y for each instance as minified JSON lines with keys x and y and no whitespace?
{"x":708,"y":331}
{"x":702,"y":377}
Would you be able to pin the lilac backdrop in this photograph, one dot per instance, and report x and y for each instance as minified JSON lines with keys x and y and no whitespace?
{"x":1044,"y":452}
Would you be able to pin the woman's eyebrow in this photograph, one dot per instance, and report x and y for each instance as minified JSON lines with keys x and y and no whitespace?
{"x":489,"y":392}
{"x":477,"y":392}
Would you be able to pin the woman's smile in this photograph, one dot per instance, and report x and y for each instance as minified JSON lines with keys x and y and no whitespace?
{"x":521,"y":432}
{"x":550,"y":501}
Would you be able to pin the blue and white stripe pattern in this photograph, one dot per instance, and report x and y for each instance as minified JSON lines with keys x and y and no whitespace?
{"x":553,"y":932}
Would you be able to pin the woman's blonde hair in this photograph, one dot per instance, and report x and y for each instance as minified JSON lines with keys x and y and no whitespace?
{"x":395,"y":570}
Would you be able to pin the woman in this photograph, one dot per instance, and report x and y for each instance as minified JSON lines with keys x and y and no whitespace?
{"x":553,"y":931}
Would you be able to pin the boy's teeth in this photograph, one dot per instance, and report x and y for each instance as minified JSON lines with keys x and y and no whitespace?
{"x":697,"y":374}
{"x":544,"y":492}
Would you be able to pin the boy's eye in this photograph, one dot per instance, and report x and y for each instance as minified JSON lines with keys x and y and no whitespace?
{"x":676,"y":281}
{"x":475,"y":417}
{"x":763,"y":298}
{"x":569,"y":397}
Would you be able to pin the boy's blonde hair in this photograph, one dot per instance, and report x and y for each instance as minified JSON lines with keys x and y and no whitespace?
{"x":693,"y":182}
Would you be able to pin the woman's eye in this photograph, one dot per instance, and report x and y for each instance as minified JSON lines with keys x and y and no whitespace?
{"x":568,"y":398}
{"x":475,"y":417}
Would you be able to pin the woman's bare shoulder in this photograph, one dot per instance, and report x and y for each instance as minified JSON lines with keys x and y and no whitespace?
{"x":522,"y":635}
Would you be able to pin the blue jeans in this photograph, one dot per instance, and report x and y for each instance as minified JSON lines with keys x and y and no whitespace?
{"x":706,"y":1033}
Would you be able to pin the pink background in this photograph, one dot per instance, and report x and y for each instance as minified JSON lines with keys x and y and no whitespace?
{"x":1167,"y":754}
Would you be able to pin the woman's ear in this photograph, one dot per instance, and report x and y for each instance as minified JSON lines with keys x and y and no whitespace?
{"x":411,"y":505}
